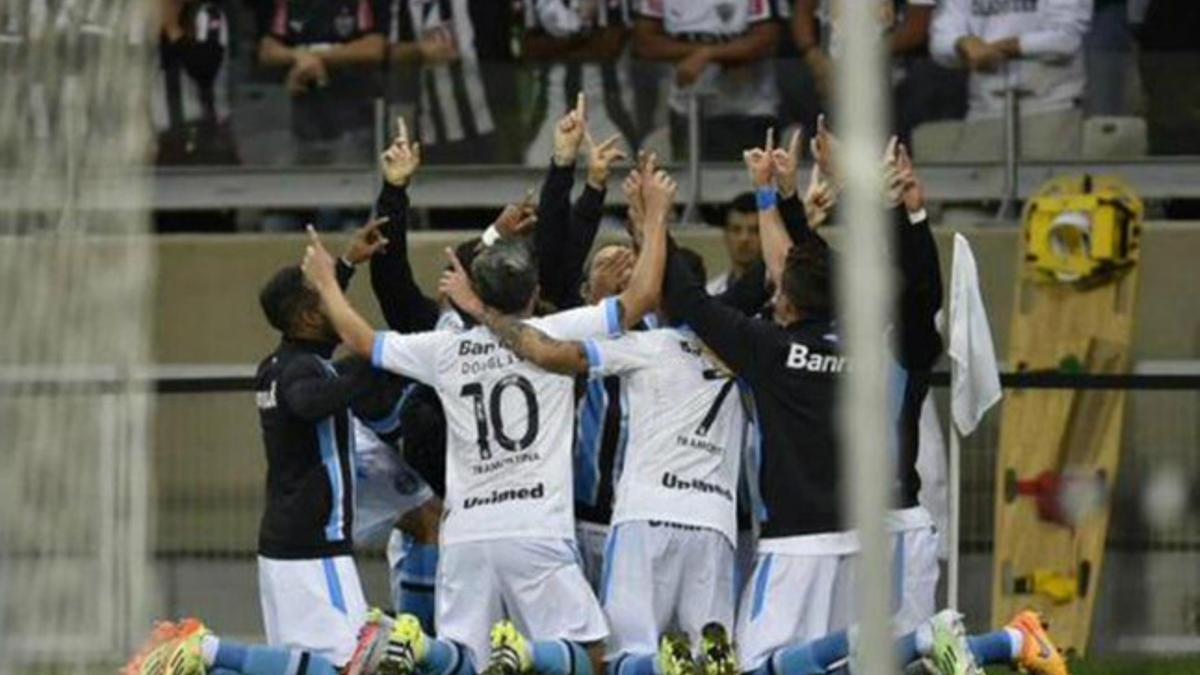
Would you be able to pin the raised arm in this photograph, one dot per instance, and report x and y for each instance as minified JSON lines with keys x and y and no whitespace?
{"x":776,"y":242}
{"x":554,"y":204}
{"x":318,"y":266}
{"x":920,"y":274}
{"x":585,"y":217}
{"x":741,"y":342}
{"x":644,"y":291}
{"x":405,"y":308}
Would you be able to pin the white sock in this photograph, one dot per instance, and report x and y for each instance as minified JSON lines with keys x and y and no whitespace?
{"x":924,"y":636}
{"x":1017,"y":638}
{"x":208,"y":649}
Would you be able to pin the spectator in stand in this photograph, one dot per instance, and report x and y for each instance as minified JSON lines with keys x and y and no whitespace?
{"x":331,"y":51}
{"x":1036,"y":47}
{"x":466,"y":84}
{"x":722,"y":50}
{"x":1170,"y":68}
{"x":921,"y":90}
{"x":741,"y":242}
{"x":581,"y":46}
{"x":190,"y":103}
{"x":1111,"y":60}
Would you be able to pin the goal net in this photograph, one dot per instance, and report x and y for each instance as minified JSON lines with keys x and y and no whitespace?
{"x":75,"y":272}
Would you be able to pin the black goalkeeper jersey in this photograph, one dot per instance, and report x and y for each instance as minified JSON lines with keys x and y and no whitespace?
{"x":303,"y":408}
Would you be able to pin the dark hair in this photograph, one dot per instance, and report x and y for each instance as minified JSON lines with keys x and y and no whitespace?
{"x":807,"y":277}
{"x":743,"y":203}
{"x":505,"y":276}
{"x":284,"y":297}
{"x":466,"y":252}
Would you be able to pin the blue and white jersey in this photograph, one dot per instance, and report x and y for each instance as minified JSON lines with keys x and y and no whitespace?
{"x":686,"y":430}
{"x":509,"y":425}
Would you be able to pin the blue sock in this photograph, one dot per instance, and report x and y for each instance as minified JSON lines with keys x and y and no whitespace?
{"x":560,"y":657}
{"x":811,"y":658}
{"x":446,"y":658}
{"x":634,"y":664}
{"x":417,"y":575}
{"x":263,"y":660}
{"x":991,"y":648}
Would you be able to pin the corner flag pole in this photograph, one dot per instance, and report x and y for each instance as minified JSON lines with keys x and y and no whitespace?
{"x":955,"y":479}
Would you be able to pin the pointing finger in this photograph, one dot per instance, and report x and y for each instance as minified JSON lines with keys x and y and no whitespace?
{"x":454,"y":263}
{"x":314,"y":239}
{"x":581,"y":106}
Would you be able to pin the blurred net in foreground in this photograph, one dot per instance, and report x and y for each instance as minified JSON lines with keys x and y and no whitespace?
{"x":74,"y":297}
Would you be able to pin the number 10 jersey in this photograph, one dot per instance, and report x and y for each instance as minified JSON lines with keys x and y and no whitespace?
{"x":510,"y":425}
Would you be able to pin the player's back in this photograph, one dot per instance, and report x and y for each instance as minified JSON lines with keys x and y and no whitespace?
{"x":686,"y":429}
{"x":510,"y":425}
{"x":309,"y":486}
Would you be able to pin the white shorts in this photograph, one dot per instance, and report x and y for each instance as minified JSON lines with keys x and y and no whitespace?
{"x":659,"y":577}
{"x":591,"y":538}
{"x":314,"y":605}
{"x":535,"y":583}
{"x":793,"y":599}
{"x":915,"y":569}
{"x":386,"y":489}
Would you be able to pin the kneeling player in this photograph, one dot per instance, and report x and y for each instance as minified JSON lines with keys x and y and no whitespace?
{"x":670,"y":557}
{"x":507,"y":534}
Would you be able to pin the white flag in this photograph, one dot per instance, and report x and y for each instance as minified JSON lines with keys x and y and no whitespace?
{"x":974,"y":379}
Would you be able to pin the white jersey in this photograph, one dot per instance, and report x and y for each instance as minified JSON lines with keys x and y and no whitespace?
{"x":685,"y":430}
{"x":509,"y":425}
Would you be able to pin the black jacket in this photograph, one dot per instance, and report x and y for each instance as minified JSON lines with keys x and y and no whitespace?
{"x":793,"y":373}
{"x":303,"y":409}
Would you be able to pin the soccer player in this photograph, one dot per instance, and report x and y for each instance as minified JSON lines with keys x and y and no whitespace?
{"x":790,"y":365}
{"x":741,"y":241}
{"x":670,"y":556}
{"x":309,"y":587}
{"x":917,"y":347}
{"x":507,"y":534}
{"x":392,"y":500}
{"x":418,"y":420}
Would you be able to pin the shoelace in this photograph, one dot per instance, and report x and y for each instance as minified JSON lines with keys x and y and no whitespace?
{"x":399,"y":657}
{"x":504,"y":660}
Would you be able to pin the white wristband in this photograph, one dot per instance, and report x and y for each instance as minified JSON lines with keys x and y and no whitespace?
{"x":917,"y":216}
{"x":490,"y":235}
